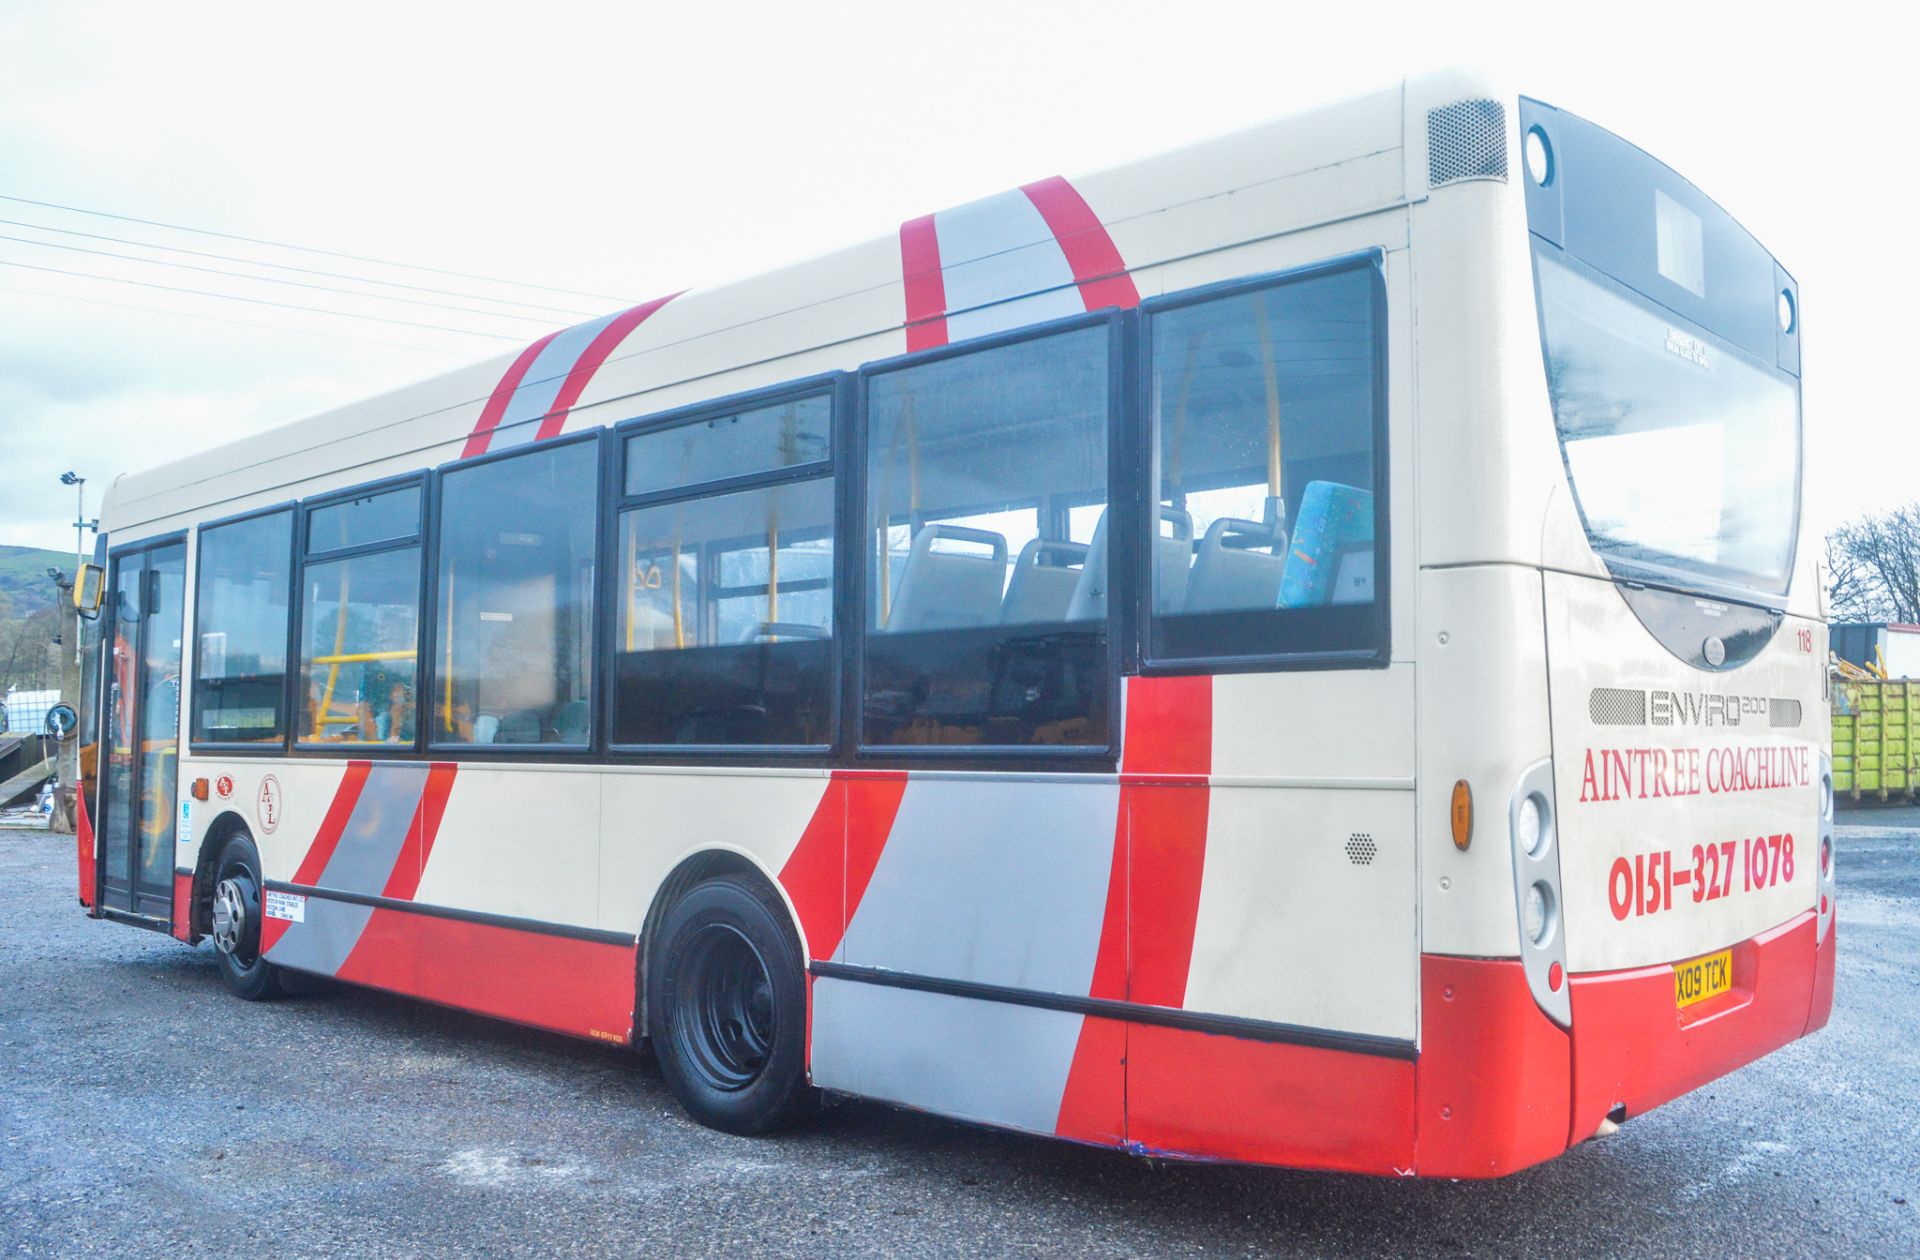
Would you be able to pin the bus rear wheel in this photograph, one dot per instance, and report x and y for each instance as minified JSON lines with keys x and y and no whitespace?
{"x":236,"y":923}
{"x":727,"y":1007}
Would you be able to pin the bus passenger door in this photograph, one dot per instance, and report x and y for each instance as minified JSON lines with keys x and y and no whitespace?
{"x":140,"y":777}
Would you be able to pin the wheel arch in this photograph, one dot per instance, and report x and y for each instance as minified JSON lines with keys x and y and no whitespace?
{"x":223,"y":828}
{"x":696,"y":868}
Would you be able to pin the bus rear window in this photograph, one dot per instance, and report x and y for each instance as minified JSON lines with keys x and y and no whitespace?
{"x":1683,"y":452}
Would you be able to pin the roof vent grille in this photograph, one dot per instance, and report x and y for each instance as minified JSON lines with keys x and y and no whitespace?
{"x":1466,"y":140}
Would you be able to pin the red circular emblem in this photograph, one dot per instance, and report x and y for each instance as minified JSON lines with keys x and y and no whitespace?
{"x":224,"y":786}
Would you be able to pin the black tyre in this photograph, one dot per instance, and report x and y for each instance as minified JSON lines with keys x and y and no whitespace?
{"x":727,"y":1007}
{"x":236,"y":923}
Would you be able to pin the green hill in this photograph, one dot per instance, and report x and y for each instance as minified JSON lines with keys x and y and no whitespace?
{"x":24,"y":586}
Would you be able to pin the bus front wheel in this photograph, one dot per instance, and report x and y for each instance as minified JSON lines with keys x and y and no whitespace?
{"x":727,"y":1007}
{"x":236,"y":923}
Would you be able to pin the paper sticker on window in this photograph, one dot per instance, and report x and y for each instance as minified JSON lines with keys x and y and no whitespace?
{"x":213,"y":655}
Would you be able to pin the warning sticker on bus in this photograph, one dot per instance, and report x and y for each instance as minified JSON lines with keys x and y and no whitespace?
{"x":289,"y":906}
{"x":1701,"y":978}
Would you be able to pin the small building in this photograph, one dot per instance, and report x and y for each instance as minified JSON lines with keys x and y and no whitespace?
{"x":1872,"y":644}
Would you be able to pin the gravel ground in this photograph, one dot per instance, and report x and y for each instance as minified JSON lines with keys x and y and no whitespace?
{"x":144,"y":1112}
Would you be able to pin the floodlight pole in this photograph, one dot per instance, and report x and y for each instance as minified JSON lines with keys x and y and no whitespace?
{"x":79,"y":485}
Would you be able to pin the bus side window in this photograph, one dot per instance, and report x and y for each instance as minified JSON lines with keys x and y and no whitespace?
{"x":1265,"y":408}
{"x":360,"y":621}
{"x":513,"y":623}
{"x":723,"y":632}
{"x":987,"y":564}
{"x":242,"y":602}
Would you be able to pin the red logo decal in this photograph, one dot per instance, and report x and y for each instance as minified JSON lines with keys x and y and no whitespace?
{"x":266,"y":806}
{"x":224,"y":786}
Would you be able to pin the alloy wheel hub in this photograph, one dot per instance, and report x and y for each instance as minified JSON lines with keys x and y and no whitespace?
{"x":229,"y":916}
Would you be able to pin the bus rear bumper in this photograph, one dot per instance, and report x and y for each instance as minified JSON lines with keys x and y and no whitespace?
{"x":1501,"y":1087}
{"x":1634,"y":1049}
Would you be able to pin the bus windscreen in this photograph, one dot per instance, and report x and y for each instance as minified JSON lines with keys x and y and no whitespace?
{"x":1683,"y":452}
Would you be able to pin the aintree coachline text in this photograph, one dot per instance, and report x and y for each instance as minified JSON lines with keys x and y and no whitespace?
{"x":1616,"y":774}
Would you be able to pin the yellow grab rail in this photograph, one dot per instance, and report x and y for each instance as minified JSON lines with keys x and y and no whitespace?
{"x":355,"y":658}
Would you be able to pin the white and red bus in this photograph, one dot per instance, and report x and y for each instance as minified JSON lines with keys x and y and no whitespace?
{"x":1300,"y":650}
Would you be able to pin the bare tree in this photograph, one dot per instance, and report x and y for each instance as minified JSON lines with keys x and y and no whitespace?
{"x":1874,"y":567}
{"x":28,"y":660}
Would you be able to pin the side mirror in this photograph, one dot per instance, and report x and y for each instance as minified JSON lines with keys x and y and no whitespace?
{"x":89,"y":588}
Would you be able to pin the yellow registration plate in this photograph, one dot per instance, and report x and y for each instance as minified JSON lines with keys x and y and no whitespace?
{"x":1702,"y":978}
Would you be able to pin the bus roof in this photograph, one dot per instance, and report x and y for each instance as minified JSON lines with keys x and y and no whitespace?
{"x":1033,"y":253}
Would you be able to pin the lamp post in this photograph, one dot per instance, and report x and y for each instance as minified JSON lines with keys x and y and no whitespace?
{"x":67,"y":772}
{"x":79,"y":485}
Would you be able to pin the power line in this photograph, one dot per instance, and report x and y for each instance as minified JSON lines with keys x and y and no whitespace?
{"x":238,"y":323}
{"x":305,"y":271}
{"x":298,"y":284}
{"x":234,"y":297}
{"x":306,"y":249}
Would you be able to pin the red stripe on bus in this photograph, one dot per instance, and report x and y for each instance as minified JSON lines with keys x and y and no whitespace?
{"x":557,"y":982}
{"x":926,"y":285}
{"x":1153,"y":888}
{"x":589,"y":362}
{"x":812,"y":875}
{"x":502,"y":395}
{"x":873,"y":801}
{"x":1110,"y":958}
{"x":412,"y":862}
{"x":1097,"y":266}
{"x":1169,"y":732}
{"x":83,"y":841}
{"x":182,"y":906}
{"x":345,"y":797}
{"x":1166,"y":855}
{"x":1093,"y":1107}
{"x":1169,"y":726}
{"x":829,"y":869}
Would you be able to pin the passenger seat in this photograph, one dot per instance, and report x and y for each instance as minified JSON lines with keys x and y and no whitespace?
{"x":1239,"y":565}
{"x":943,"y":589}
{"x":1042,"y":592}
{"x":1171,"y":554}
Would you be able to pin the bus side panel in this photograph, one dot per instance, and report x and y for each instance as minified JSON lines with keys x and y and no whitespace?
{"x":572,"y":986}
{"x":983,"y":881}
{"x":789,"y":824}
{"x":1202,"y":1094}
{"x":465,"y":838}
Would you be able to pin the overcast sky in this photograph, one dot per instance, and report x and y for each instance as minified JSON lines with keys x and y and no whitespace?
{"x":630,"y":150}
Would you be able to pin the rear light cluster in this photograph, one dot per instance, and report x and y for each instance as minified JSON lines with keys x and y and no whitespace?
{"x":1533,"y":832}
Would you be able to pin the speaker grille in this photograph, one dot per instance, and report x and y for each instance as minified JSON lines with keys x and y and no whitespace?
{"x":1360,"y":849}
{"x":1617,"y":706}
{"x":1466,"y":140}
